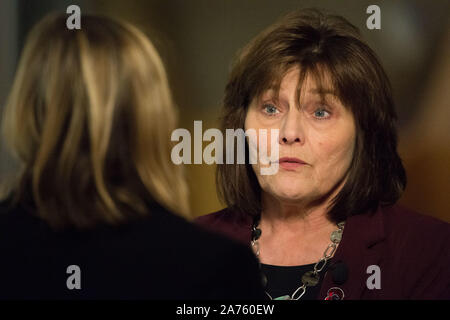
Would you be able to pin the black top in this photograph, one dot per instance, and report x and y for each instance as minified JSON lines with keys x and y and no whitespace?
{"x":159,"y":257}
{"x":284,"y":280}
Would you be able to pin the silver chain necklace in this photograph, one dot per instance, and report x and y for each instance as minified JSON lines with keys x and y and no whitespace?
{"x":310,"y":278}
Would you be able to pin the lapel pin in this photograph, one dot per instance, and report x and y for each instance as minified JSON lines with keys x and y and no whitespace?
{"x":335,"y":293}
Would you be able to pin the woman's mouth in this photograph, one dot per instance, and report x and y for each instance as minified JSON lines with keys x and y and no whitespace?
{"x":291,"y":163}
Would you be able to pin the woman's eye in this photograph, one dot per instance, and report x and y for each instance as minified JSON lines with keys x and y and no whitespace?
{"x":321,"y":114}
{"x":270,"y":109}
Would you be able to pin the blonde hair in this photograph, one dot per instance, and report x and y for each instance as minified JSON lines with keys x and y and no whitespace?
{"x":89,"y":117}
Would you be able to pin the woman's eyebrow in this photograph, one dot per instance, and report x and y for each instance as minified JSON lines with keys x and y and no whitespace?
{"x":323,"y":91}
{"x":326,"y":94}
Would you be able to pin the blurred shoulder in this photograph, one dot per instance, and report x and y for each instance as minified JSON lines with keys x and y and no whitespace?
{"x":171,"y":255}
{"x":228,"y":222}
{"x":224,"y":267}
{"x":190,"y":231}
{"x":225,"y":215}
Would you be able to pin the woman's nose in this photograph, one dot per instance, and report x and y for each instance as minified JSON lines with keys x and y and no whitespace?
{"x":291,"y":128}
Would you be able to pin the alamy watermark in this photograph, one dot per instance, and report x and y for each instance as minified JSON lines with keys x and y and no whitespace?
{"x":374,"y":280}
{"x":374,"y":20}
{"x":74,"y":280}
{"x":74,"y":20}
{"x":235,"y":139}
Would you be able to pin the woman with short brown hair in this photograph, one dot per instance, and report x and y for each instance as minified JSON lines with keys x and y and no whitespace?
{"x":328,"y":213}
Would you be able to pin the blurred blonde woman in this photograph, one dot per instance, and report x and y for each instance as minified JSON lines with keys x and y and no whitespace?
{"x":89,"y":118}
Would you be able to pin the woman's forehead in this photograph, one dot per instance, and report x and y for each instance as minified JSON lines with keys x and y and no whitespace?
{"x":302,"y":82}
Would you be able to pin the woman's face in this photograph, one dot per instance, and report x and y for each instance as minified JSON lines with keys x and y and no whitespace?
{"x":318,"y":133}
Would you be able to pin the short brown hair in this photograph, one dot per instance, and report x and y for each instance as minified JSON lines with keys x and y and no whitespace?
{"x":89,"y":117}
{"x":319,"y":43}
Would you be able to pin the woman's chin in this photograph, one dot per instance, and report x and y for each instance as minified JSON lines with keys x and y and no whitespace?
{"x":289,"y":195}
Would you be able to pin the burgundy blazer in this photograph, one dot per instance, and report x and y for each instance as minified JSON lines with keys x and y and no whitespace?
{"x":411,"y":250}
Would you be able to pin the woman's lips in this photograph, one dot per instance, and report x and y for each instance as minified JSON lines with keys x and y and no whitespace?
{"x":290,"y":163}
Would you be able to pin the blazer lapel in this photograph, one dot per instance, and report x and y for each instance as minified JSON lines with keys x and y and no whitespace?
{"x":360,"y":247}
